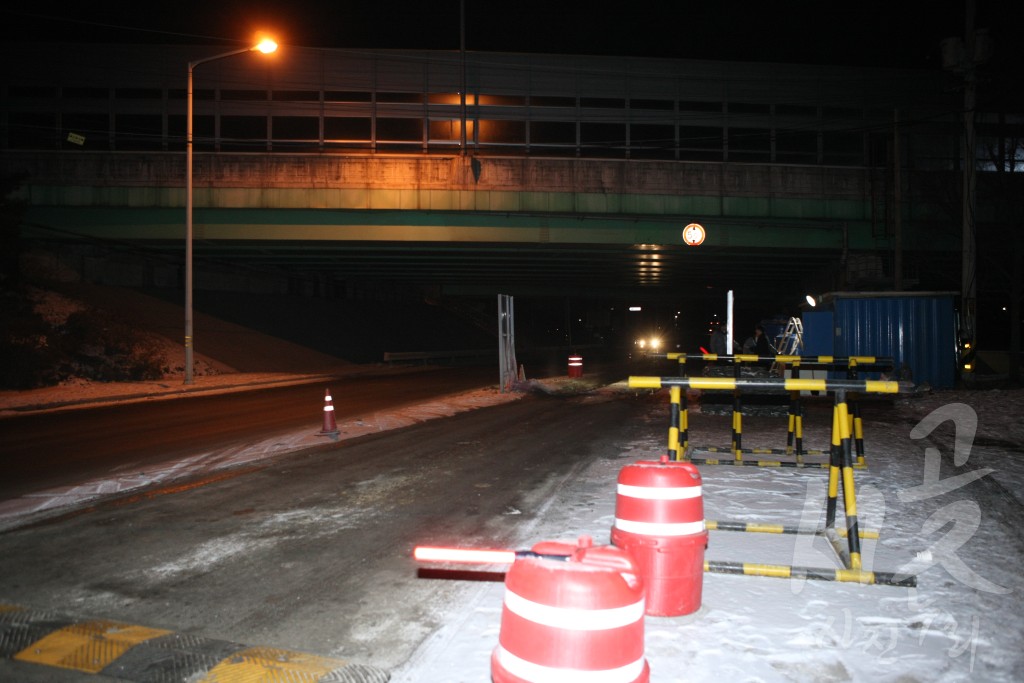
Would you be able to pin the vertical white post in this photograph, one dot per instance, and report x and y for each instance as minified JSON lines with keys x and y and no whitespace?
{"x":729,"y":322}
{"x":506,"y":343}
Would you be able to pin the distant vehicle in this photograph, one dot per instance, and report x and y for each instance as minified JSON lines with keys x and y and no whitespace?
{"x":652,"y":344}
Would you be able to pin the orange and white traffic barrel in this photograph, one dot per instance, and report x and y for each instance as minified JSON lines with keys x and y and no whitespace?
{"x":578,"y":617}
{"x":659,"y":518}
{"x":575,"y":366}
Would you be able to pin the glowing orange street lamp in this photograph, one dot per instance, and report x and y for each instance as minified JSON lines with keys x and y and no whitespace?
{"x":266,"y":46}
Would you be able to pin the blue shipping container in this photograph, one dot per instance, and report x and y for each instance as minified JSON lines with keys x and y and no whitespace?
{"x":819,"y":333}
{"x":917,"y":329}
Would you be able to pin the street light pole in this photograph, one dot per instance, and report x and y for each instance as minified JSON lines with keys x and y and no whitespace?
{"x":265,"y":46}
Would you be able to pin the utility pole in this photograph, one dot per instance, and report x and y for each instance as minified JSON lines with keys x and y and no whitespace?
{"x":969,"y":279}
{"x":462,"y":78}
{"x":965,"y":55}
{"x":897,"y":196}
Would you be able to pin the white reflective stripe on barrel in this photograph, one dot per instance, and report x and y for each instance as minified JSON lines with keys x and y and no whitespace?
{"x":536,"y":673}
{"x":574,"y":619}
{"x":663,"y":493}
{"x":657,"y":529}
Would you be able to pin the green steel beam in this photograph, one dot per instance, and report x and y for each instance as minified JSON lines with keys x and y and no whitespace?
{"x":330,"y":225}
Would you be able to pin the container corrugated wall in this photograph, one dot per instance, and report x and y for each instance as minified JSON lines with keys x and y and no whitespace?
{"x":918,"y":331}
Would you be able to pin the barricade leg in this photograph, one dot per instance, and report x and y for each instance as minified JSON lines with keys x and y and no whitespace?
{"x":684,"y":425}
{"x":834,"y":466}
{"x":841,"y":461}
{"x":858,"y":432}
{"x":856,"y":424}
{"x":737,"y":426}
{"x":794,"y":438}
{"x":673,"y":428}
{"x":791,"y":424}
{"x":799,"y":431}
{"x":849,"y":492}
{"x":849,"y":420}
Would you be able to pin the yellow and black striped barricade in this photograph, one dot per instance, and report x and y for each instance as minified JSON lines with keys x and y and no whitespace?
{"x":838,"y":362}
{"x":794,"y":435}
{"x":840,"y":468}
{"x":762,"y":528}
{"x":782,"y":571}
{"x":853,"y":365}
{"x":680,"y":448}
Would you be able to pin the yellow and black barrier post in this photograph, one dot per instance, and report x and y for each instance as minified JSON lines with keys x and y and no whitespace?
{"x":679,"y":414}
{"x":858,"y":433}
{"x":674,"y":451}
{"x":842,"y":461}
{"x":856,"y":423}
{"x":795,"y":428}
{"x":684,"y":426}
{"x":737,"y":414}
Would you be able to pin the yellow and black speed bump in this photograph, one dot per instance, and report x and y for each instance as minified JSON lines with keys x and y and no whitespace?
{"x":147,"y":655}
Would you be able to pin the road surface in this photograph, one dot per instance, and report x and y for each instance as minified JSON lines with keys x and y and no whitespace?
{"x":51,"y":449}
{"x":312,"y":551}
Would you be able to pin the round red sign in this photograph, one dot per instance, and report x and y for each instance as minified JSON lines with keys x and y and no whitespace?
{"x":694,"y":234}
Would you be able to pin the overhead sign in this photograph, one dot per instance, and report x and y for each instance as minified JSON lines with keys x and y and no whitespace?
{"x":694,"y":234}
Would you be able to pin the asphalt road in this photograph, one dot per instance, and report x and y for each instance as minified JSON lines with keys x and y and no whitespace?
{"x":311,"y":551}
{"x":47,"y":450}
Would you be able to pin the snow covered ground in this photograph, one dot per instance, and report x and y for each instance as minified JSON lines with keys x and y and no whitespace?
{"x":957,"y":530}
{"x":944,"y":488}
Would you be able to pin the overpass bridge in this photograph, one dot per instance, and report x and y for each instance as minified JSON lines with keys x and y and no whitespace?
{"x":556,"y":176}
{"x":468,"y":225}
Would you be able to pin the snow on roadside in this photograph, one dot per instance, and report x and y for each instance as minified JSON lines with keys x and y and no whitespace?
{"x":16,"y":511}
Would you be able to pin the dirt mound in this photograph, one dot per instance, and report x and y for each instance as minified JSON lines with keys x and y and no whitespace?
{"x":219,"y":345}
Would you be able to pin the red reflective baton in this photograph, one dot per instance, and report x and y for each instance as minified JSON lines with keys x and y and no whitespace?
{"x":474,"y":556}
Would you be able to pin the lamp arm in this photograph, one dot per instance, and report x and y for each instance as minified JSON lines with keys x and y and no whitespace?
{"x":192,"y":65}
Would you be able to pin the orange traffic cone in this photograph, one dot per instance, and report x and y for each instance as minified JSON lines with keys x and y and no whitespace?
{"x":330,"y":426}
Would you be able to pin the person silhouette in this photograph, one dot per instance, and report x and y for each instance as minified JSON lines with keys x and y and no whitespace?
{"x":719,"y":343}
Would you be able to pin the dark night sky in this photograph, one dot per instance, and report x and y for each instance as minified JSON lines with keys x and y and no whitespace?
{"x":879,"y":33}
{"x":864,"y":32}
